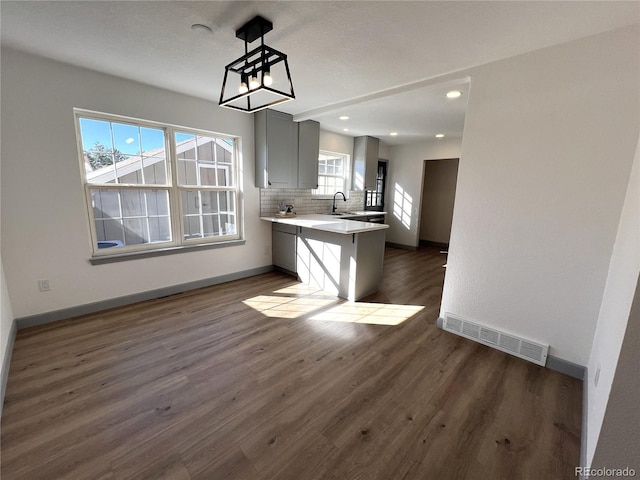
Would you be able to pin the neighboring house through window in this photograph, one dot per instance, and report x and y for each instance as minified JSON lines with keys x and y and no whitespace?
{"x":151,"y":186}
{"x":333,"y":174}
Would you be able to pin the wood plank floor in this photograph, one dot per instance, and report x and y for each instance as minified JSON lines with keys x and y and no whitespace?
{"x":263,"y":379}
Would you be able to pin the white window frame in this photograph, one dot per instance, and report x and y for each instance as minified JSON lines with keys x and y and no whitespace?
{"x":346,"y":176}
{"x":172,"y":186}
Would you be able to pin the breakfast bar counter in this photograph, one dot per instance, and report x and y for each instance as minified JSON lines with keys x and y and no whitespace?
{"x":342,"y":257}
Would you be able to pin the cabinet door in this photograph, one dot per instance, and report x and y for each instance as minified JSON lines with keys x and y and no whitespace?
{"x":282,"y":150}
{"x":276,"y":149}
{"x":371,"y":173}
{"x":365,"y":163}
{"x":284,"y":250}
{"x":308,"y":150}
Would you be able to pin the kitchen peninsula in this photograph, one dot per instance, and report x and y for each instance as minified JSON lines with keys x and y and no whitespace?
{"x":342,"y":257}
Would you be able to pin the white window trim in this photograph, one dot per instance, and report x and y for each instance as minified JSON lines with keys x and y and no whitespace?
{"x":178,"y":243}
{"x":347,"y":176}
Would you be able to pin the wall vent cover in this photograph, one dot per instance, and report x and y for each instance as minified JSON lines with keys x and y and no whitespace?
{"x":520,"y":347}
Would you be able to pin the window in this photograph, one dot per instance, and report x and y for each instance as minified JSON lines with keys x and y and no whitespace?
{"x":150,"y":186}
{"x":375,"y":198}
{"x":333,"y":174}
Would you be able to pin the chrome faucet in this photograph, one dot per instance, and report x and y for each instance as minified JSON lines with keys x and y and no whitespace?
{"x":333,"y":208}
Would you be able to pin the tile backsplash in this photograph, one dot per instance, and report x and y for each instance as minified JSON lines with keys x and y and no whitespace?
{"x":303,"y":202}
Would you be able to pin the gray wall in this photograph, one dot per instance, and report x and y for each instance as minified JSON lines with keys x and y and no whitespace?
{"x":438,"y":195}
{"x":619,"y":442}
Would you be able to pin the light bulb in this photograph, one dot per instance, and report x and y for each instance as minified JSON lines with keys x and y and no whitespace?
{"x":243,"y":84}
{"x":266,"y":78}
{"x":253,"y":83}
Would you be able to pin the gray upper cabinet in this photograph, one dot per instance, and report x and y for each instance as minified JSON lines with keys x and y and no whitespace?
{"x":286,"y":151}
{"x":276,"y":146}
{"x":308,"y":150}
{"x":365,"y":162}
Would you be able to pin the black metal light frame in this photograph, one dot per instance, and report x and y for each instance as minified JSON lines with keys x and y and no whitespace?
{"x":260,"y":59}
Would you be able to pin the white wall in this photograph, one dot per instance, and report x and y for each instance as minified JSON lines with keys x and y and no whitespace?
{"x":404,"y":185}
{"x":549,"y":141}
{"x":45,"y":232}
{"x":384,"y":150}
{"x":335,"y":142}
{"x":619,"y":290}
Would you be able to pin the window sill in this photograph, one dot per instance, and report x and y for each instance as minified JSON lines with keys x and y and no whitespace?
{"x":123,"y":257}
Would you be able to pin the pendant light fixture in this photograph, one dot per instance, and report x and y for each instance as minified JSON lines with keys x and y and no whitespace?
{"x":249,"y":84}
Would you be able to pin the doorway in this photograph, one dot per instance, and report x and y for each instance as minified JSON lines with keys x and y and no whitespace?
{"x":438,"y":195}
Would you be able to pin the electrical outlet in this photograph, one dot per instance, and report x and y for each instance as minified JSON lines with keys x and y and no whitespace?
{"x":44,"y":285}
{"x":597,"y":377}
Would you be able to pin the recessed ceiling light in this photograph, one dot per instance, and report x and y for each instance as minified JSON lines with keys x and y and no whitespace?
{"x":394,"y":134}
{"x":344,"y":117}
{"x":454,"y":94}
{"x":439,"y":135}
{"x":345,"y":129}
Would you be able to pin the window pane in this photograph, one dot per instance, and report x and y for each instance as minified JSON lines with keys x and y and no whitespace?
{"x":154,"y":158}
{"x":97,"y":146}
{"x":208,"y":175}
{"x":209,"y":202}
{"x":159,"y":229}
{"x":187,"y":172}
{"x":135,"y":232}
{"x":106,"y":203}
{"x":206,"y":152}
{"x":204,"y":160}
{"x":152,"y":140}
{"x":158,"y":202}
{"x":192,"y":227}
{"x":228,"y":225}
{"x":185,"y":145}
{"x":224,"y":152}
{"x":191,"y":202}
{"x":155,"y":170}
{"x":225,"y":178}
{"x":210,"y":225}
{"x":129,"y":170}
{"x":126,"y":138}
{"x":214,"y":217}
{"x":130,"y":216}
{"x":133,"y":204}
{"x":113,"y":153}
{"x":332,"y":173}
{"x":109,"y":231}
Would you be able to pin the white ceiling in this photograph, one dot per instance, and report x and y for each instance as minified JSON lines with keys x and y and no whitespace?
{"x":377,"y":62}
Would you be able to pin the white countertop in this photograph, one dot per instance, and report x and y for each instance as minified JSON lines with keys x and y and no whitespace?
{"x":329,"y":223}
{"x":359,"y":213}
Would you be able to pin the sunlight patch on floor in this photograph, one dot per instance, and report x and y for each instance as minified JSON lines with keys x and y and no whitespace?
{"x":286,"y":307}
{"x":300,"y":300}
{"x":370,"y":313}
